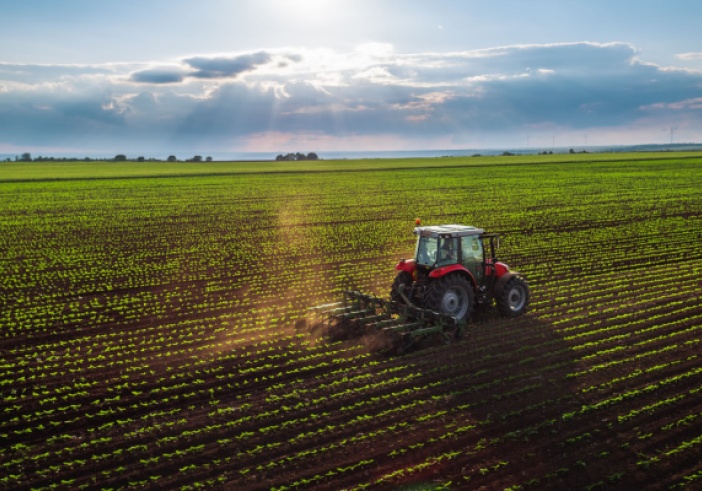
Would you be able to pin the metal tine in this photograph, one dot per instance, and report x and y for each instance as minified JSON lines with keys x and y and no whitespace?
{"x":403,"y":327}
{"x":385,"y":322}
{"x":326,"y":306}
{"x":400,"y":323}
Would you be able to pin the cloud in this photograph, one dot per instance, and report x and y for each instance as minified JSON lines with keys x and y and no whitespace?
{"x":212,"y":67}
{"x":695,"y":103}
{"x":370,"y":94}
{"x":689,"y":56}
{"x":223,"y":66}
{"x":159,"y":76}
{"x":37,"y":74}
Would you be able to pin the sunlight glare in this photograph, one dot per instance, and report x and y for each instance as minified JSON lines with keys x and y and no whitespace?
{"x":308,"y":11}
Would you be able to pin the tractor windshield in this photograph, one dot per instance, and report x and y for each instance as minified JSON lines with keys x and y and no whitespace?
{"x":426,"y":250}
{"x":435,"y":251}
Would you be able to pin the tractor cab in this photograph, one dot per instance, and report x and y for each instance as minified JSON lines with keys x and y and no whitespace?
{"x":447,"y":245}
{"x":454,"y":266}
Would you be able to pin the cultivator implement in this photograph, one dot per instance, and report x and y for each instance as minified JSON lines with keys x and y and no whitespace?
{"x":390,"y":325}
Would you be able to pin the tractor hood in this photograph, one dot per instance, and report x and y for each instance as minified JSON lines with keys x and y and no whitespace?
{"x":406,"y":265}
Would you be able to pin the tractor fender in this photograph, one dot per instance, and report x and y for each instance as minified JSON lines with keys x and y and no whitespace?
{"x":406,"y":265}
{"x":502,"y":281}
{"x":440,"y":272}
{"x":498,"y":268}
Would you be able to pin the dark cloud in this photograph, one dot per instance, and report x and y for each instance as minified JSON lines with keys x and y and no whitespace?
{"x":159,"y":76}
{"x":294,"y":57}
{"x":218,"y":67}
{"x":564,"y":57}
{"x":233,"y":110}
{"x":224,"y":67}
{"x":79,"y":120}
{"x":90,"y":110}
{"x":598,"y":92}
{"x":581,"y":59}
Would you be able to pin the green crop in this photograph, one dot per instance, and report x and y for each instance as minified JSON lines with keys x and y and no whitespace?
{"x":155,"y":327}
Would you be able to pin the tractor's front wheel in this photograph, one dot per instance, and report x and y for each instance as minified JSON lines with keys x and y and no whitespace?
{"x":451,"y":295}
{"x":512,"y":301}
{"x":403,"y":281}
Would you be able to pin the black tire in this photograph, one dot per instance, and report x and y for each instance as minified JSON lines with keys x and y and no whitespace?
{"x":451,"y":295}
{"x":403,"y":278}
{"x":513,"y":300}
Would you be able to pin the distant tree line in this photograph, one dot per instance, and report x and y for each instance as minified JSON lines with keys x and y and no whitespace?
{"x":27,"y":157}
{"x":293,"y":157}
{"x":171,"y":158}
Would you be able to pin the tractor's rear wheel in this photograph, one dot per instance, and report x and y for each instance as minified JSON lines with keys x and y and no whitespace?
{"x":451,"y":295}
{"x":402,"y":280}
{"x":512,"y":301}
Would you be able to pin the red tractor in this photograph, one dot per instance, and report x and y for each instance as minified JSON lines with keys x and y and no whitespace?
{"x":454,"y":270}
{"x":433,"y":296}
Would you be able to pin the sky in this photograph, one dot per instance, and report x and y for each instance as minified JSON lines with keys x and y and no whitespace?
{"x":206,"y":77}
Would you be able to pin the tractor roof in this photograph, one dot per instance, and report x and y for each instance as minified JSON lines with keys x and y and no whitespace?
{"x":450,"y":230}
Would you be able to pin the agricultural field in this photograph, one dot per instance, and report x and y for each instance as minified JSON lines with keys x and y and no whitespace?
{"x":155,"y":330}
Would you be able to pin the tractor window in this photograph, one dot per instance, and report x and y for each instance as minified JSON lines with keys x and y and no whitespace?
{"x":448,"y":251}
{"x":432,"y":251}
{"x":426,"y":250}
{"x":472,"y":249}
